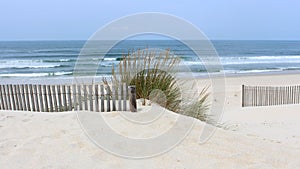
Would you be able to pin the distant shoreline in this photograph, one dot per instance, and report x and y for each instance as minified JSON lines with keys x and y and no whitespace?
{"x":87,"y":79}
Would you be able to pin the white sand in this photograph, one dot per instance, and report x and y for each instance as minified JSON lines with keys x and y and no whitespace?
{"x":278,"y":124}
{"x":261,"y":137}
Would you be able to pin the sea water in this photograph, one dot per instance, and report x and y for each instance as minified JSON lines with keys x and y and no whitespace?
{"x":38,"y":59}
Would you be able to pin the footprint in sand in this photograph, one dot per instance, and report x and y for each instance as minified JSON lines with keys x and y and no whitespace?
{"x":8,"y":117}
{"x":7,"y":146}
{"x":26,"y":120}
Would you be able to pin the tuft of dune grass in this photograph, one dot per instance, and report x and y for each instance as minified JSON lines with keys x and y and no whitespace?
{"x":153,"y":71}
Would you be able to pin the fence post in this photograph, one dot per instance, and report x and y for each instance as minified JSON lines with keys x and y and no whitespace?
{"x":96,"y":98}
{"x":132,"y":98}
{"x":113,"y":98}
{"x":124,"y":96}
{"x":120,"y":97}
{"x":243,"y":95}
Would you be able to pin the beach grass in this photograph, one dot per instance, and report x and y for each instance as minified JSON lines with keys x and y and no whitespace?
{"x":153,"y":74}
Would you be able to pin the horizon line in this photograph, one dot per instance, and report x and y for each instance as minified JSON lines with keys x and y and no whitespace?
{"x":26,"y":40}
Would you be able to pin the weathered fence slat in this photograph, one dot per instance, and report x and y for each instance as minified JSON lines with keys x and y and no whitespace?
{"x":15,"y":98}
{"x":64,"y":95}
{"x":124,"y":97}
{"x":49,"y":94}
{"x":46,"y":108}
{"x":120,"y":97}
{"x":8,"y":97}
{"x":113,"y":98}
{"x":36,"y":99}
{"x":69,"y":100}
{"x":108,"y":99}
{"x":59,"y":100}
{"x":79,"y":97}
{"x":27,"y":98}
{"x":91,"y":97}
{"x":5,"y":97}
{"x":1,"y":98}
{"x":31,"y":97}
{"x":102,"y":97}
{"x":11,"y":96}
{"x":53,"y":87}
{"x":74,"y":97}
{"x":85,"y":98}
{"x":42,"y":108}
{"x":297,"y":94}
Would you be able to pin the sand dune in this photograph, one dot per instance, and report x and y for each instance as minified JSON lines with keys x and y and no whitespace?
{"x":40,"y":140}
{"x":261,"y":137}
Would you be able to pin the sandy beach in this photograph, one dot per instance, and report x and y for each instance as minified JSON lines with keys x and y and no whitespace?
{"x":250,"y":137}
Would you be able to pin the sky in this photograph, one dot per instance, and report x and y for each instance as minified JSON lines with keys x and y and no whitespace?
{"x":217,"y":19}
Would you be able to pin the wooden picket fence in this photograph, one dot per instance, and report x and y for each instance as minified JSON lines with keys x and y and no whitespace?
{"x":58,"y":98}
{"x":268,"y":96}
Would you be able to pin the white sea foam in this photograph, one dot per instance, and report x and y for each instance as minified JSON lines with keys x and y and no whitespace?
{"x":35,"y":74}
{"x":110,"y":59}
{"x":248,"y":60}
{"x":29,"y":66}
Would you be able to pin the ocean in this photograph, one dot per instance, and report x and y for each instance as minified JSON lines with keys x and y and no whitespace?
{"x":38,"y":59}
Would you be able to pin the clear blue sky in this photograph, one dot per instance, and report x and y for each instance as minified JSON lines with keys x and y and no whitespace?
{"x":218,"y":19}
